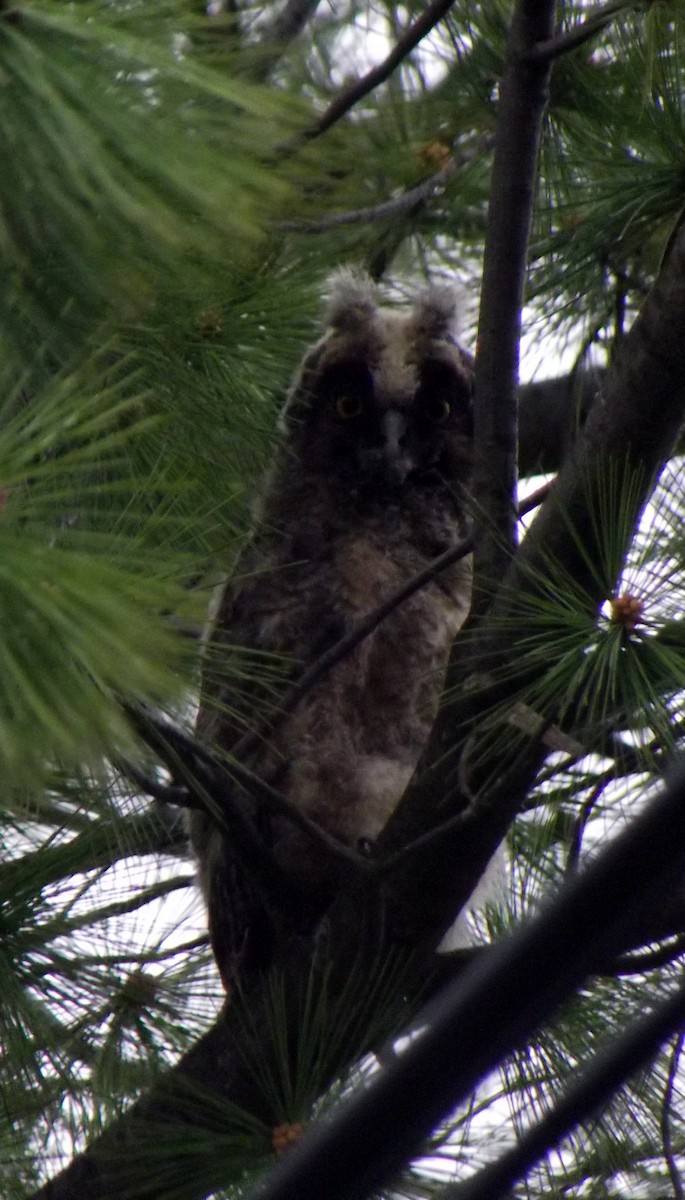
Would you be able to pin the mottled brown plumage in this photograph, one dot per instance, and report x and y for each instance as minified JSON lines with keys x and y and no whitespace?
{"x":368,"y":486}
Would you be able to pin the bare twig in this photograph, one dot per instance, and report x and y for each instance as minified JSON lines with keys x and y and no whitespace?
{"x":288,"y":23}
{"x":206,"y":775}
{"x":409,"y":40}
{"x":166,"y":793}
{"x":582,"y":819}
{"x":387,"y":208}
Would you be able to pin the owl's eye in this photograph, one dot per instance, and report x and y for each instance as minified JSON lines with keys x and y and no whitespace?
{"x":348,"y":406}
{"x":438,"y":410}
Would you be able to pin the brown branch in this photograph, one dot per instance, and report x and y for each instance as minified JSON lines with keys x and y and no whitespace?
{"x":364,"y":628}
{"x":468,"y":1031}
{"x":582,"y":818}
{"x":523,"y":97}
{"x":554,"y":47}
{"x":387,"y":208}
{"x":430,"y":17}
{"x":207,"y":775}
{"x":166,"y":793}
{"x":551,"y":414}
{"x":622,"y":434}
{"x":584,"y":1096}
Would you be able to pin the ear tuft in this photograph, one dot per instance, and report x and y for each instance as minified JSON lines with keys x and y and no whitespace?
{"x":352,"y":300}
{"x":435,"y":314}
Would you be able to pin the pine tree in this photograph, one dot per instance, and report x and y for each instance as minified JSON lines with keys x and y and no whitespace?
{"x":176,"y":183}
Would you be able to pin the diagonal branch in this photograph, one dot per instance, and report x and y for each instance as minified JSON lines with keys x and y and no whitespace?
{"x":397,"y":205}
{"x":277,"y":34}
{"x":430,"y":17}
{"x":583,"y":1098}
{"x":492,"y":1010}
{"x":207,"y":777}
{"x":622,"y":433}
{"x":364,"y":628}
{"x":554,"y":47}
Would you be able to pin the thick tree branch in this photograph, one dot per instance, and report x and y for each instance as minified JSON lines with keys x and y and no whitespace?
{"x":489,"y":1011}
{"x":492,"y":1010}
{"x":288,"y":22}
{"x":582,"y":1100}
{"x":523,"y":96}
{"x":622,"y":433}
{"x":550,"y":415}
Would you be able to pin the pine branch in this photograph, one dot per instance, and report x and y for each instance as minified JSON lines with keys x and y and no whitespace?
{"x":581,"y":33}
{"x":550,"y":415}
{"x":491,"y":1011}
{"x":387,"y":209}
{"x":422,"y":26}
{"x":523,"y":96}
{"x":583,"y":1100}
{"x":651,"y":960}
{"x":100,"y":845}
{"x":620,"y":430}
{"x":288,"y":22}
{"x":208,"y":778}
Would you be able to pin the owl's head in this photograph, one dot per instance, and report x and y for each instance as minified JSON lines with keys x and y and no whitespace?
{"x":385,"y":397}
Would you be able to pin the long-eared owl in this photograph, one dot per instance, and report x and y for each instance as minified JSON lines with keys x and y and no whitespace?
{"x":369,"y":484}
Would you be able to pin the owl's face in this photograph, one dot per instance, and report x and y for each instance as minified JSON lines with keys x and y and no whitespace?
{"x":357,"y":431}
{"x":384,"y":400}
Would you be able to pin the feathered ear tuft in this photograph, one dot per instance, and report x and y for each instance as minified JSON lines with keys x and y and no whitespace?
{"x":352,"y":300}
{"x":435,"y":314}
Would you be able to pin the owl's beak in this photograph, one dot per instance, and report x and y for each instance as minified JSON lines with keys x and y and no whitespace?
{"x":388,"y":457}
{"x":393,"y":459}
{"x":393,"y":427}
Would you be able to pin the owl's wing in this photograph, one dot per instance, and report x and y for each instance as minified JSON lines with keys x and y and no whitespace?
{"x":256,"y":646}
{"x":268,"y":628}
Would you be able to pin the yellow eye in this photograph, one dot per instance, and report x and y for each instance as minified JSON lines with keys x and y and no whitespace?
{"x":348,"y":406}
{"x":438,"y":410}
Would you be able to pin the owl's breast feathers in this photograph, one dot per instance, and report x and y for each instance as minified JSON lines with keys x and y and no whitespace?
{"x":356,"y":739}
{"x":347,"y":752}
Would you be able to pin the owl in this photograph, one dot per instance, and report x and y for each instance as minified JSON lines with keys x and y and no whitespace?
{"x":370,"y":483}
